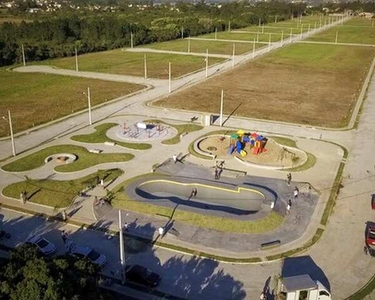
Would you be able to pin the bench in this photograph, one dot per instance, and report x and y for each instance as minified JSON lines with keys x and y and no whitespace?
{"x":271,"y":244}
{"x":97,"y":151}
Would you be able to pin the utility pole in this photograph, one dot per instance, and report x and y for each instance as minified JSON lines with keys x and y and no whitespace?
{"x":254,"y":48}
{"x":89,"y":104}
{"x":182,"y":32}
{"x":76,"y":59}
{"x":234,"y":53}
{"x":301,"y":34}
{"x":23,"y":55}
{"x":131,"y":40}
{"x":145,"y":65}
{"x":169,"y":77}
{"x":282,"y":37}
{"x":206,"y":63}
{"x":215,"y":33}
{"x":9,"y":120}
{"x":229,"y":26}
{"x":337,"y":35}
{"x":259,"y":22}
{"x":122,"y":250}
{"x":189,"y":44}
{"x":269,"y":43}
{"x":221,"y":107}
{"x":262,"y":28}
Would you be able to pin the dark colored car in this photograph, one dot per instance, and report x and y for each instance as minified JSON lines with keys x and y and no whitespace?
{"x":370,"y":237}
{"x":142,"y":275}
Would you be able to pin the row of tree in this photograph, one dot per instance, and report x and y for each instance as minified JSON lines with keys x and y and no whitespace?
{"x":58,"y":36}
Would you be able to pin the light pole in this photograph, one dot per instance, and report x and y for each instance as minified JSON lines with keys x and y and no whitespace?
{"x":9,"y":120}
{"x":233,"y":54}
{"x":282,"y":37}
{"x":131,"y":40}
{"x":215,"y":33}
{"x":122,"y":251}
{"x":23,"y":55}
{"x":337,"y":35}
{"x":221,"y":107}
{"x":189,"y":44}
{"x":145,"y":65}
{"x":206,"y":63}
{"x":89,"y":104}
{"x":76,"y":59}
{"x":169,"y":77}
{"x":254,"y":48}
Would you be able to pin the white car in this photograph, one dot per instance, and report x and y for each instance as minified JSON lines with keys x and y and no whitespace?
{"x":86,"y":252}
{"x":43,"y":245}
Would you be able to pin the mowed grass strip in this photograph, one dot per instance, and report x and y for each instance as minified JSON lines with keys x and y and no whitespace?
{"x":99,"y":136}
{"x":131,"y":63}
{"x":34,"y":99}
{"x":303,"y":83}
{"x":84,"y":160}
{"x":56,"y":193}
{"x":268,"y":223}
{"x":347,"y":34}
{"x":245,"y":37}
{"x":200,"y":46}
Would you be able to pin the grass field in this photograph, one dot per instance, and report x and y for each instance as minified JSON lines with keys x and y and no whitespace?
{"x":100,"y":136}
{"x":85,"y":159}
{"x":11,"y":19}
{"x":130,"y":63}
{"x":30,"y":96}
{"x":360,"y":34}
{"x":360,"y":22}
{"x":303,"y":83}
{"x":270,"y":222}
{"x":56,"y":193}
{"x":216,"y":47}
{"x":249,"y":37}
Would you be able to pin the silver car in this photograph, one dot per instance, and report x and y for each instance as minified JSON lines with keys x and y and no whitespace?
{"x":43,"y":245}
{"x":86,"y":252}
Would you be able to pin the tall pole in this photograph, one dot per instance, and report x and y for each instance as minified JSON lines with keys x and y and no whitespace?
{"x":258,"y":36}
{"x":337,"y":35}
{"x":233,"y":54}
{"x":254,"y":48}
{"x":259,"y":22}
{"x":269,"y":43}
{"x":263,"y":28}
{"x":282,"y":37}
{"x":89,"y":105}
{"x":145,"y":65}
{"x":229,"y":26}
{"x":276,"y":19}
{"x":122,"y":251}
{"x":182,"y":32}
{"x":23,"y":55}
{"x":11,"y":132}
{"x":221,"y":107}
{"x":189,"y":44}
{"x":169,"y":77}
{"x":76,"y":59}
{"x":206,"y":63}
{"x":131,"y":40}
{"x":215,"y":33}
{"x":301,"y":33}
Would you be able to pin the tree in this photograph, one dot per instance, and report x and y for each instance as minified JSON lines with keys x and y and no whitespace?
{"x":28,"y":275}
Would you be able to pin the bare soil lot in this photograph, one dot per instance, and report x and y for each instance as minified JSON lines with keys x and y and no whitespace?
{"x":307,"y":84}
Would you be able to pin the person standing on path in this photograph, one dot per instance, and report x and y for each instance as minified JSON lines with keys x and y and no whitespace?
{"x":216,"y":173}
{"x":288,"y":207}
{"x":296,"y":192}
{"x":289,"y":178}
{"x":174,"y":157}
{"x":193,"y":193}
{"x":64,"y":236}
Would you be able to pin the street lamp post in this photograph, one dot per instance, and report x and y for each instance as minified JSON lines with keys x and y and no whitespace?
{"x":122,"y":250}
{"x":89,"y":104}
{"x":206,"y":63}
{"x":9,"y":120}
{"x":169,"y":77}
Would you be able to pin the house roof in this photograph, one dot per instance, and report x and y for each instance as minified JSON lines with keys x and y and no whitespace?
{"x":298,"y":283}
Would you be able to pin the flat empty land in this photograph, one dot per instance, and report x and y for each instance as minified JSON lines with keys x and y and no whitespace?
{"x":357,"y":31}
{"x":34,"y":99}
{"x":302,"y":83}
{"x":127,"y":63}
{"x":247,"y":37}
{"x":200,"y":46}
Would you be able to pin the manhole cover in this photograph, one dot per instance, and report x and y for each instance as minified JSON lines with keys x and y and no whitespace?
{"x":211,"y":148}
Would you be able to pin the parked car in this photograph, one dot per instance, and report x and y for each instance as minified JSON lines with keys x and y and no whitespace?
{"x":370,"y":236}
{"x":42,"y":244}
{"x":86,"y":252}
{"x":141,"y":275}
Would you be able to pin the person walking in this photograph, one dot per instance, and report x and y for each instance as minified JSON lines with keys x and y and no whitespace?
{"x":216,"y":173}
{"x":289,"y":206}
{"x":194,"y":192}
{"x":174,"y":157}
{"x":296,"y":192}
{"x":64,"y":236}
{"x":289,"y":178}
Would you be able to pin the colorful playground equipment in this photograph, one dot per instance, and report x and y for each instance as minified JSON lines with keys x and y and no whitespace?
{"x":240,"y":139}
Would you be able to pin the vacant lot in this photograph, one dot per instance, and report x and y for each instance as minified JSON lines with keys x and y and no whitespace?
{"x":217,"y":47}
{"x":127,"y":63}
{"x":360,"y":34}
{"x":247,"y":37}
{"x":38,"y":98}
{"x":302,"y":83}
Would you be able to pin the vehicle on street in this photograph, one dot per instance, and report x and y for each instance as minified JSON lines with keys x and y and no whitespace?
{"x":370,"y":236}
{"x":42,"y":244}
{"x":86,"y":252}
{"x":141,"y":275}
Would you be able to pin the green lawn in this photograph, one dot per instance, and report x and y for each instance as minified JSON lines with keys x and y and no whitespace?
{"x":249,"y":37}
{"x":347,"y":34}
{"x":35,"y":98}
{"x":132,"y":63}
{"x":359,"y":22}
{"x":85,"y":159}
{"x":99,"y":136}
{"x":184,"y":128}
{"x":268,"y":223}
{"x":214,"y":47}
{"x":56,"y":193}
